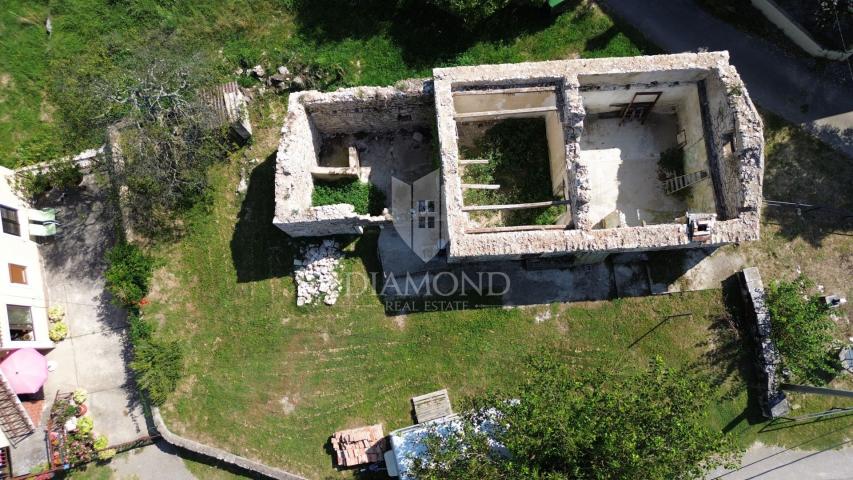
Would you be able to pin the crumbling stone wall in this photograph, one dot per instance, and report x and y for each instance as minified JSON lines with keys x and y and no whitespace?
{"x":371,"y":109}
{"x":767,"y":358}
{"x":743,"y":126}
{"x":312,"y":114}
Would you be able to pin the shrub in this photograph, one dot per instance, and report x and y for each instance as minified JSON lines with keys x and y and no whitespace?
{"x":55,"y":313}
{"x":80,"y":395}
{"x":365,"y":197}
{"x":128,"y":274}
{"x":158,"y":365}
{"x":85,"y":425}
{"x":802,"y":330}
{"x":473,"y":11}
{"x":31,"y":184}
{"x":101,"y":442}
{"x":141,"y":330}
{"x":62,"y":174}
{"x":104,"y":455}
{"x":57,"y":331}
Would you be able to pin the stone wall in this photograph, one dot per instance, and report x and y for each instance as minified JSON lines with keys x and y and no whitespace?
{"x":371,"y":109}
{"x":767,"y":358}
{"x":311,"y":115}
{"x":217,"y":453}
{"x":738,"y":120}
{"x":367,"y":109}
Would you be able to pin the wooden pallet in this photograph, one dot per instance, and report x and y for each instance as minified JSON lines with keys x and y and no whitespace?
{"x":432,"y":406}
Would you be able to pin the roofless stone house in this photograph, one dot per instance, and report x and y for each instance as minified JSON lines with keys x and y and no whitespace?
{"x":606,"y":124}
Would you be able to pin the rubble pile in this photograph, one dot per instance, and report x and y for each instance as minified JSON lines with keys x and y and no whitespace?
{"x":316,"y":274}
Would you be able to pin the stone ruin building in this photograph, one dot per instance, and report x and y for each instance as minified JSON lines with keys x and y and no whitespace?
{"x":606,"y":125}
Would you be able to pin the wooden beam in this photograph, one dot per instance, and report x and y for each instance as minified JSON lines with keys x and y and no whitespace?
{"x":474,"y":116}
{"x":478,"y":161}
{"x":480,"y":186}
{"x":520,"y":228}
{"x":517,"y":206}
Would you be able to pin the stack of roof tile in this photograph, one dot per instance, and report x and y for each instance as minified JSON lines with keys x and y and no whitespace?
{"x":358,"y":446}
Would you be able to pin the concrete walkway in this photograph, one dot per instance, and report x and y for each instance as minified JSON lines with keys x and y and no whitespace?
{"x":804,"y":91}
{"x":94,"y":356}
{"x":776,"y":463}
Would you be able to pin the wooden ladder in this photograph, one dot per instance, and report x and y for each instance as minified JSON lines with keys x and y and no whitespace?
{"x":674,"y":184}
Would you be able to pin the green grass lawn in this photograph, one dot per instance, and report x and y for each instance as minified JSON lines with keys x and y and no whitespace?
{"x":371,"y":42}
{"x":272,"y":381}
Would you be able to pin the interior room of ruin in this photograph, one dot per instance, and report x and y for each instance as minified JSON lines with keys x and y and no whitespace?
{"x":512,"y":193}
{"x":635,"y":137}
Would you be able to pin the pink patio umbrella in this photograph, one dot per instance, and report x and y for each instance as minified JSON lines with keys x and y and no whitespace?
{"x":25,"y":369}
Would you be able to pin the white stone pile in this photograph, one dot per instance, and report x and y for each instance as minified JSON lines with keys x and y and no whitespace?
{"x":317,"y":274}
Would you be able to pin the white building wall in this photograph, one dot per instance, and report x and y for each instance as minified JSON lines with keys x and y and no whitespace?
{"x":21,"y":250}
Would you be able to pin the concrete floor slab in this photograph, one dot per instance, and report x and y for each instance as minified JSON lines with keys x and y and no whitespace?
{"x":158,"y":461}
{"x":623,"y":168}
{"x":404,"y":155}
{"x":118,"y":414}
{"x":87,"y":318}
{"x":100,"y":359}
{"x":64,"y":377}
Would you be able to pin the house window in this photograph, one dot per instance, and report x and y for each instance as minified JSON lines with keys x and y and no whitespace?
{"x":430,"y":222}
{"x":17,"y":274}
{"x":421,"y":222}
{"x":20,"y":323}
{"x":10,"y":221}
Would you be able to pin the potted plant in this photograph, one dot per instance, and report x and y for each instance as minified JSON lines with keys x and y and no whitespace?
{"x":79,"y":396}
{"x":81,"y":410}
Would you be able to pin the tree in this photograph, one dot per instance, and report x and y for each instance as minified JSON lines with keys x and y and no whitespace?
{"x":561,"y":425}
{"x":802,"y":330}
{"x":169,"y":140}
{"x":473,"y":11}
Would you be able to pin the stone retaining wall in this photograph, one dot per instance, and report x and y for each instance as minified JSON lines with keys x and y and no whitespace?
{"x":767,"y":358}
{"x":216,"y":453}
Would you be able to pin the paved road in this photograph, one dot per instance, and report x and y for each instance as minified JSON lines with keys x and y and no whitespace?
{"x":775,"y":463}
{"x":795,"y":88}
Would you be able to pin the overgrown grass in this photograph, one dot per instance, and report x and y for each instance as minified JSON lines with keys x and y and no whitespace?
{"x":366,"y":198}
{"x":272,"y":381}
{"x":517,"y":150}
{"x":372,"y":42}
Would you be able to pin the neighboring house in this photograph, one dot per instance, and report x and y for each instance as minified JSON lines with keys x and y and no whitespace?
{"x":23,"y":301}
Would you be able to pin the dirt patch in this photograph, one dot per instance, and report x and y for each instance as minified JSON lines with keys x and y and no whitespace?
{"x":400,"y":321}
{"x":288,"y":404}
{"x":163,"y":282}
{"x":46,"y":111}
{"x":6,"y":81}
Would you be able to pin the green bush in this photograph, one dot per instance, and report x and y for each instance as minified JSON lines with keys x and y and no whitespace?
{"x":158,"y":365}
{"x":472,"y":11}
{"x":802,"y":330}
{"x":57,"y":331}
{"x":85,"y":425}
{"x":62,"y":174}
{"x":31,"y":184}
{"x":104,"y":455}
{"x":101,"y":442}
{"x":365,"y":197}
{"x":140,"y":330}
{"x":128,"y":274}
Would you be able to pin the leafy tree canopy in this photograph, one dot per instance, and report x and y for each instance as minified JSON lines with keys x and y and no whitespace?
{"x":563,"y":425}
